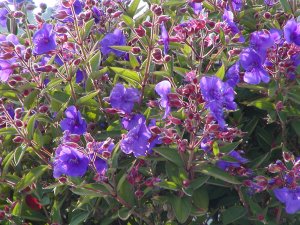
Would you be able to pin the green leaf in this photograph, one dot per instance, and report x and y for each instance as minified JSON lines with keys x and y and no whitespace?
{"x":30,"y":126}
{"x":182,"y":208}
{"x":128,"y":20}
{"x":198,"y":182}
{"x":125,"y":190}
{"x":31,"y":177}
{"x":87,"y":28}
{"x":29,"y":100}
{"x":168,"y":185}
{"x":175,"y":3}
{"x":221,"y":72}
{"x":95,"y":61}
{"x":87,"y":97}
{"x":229,"y":147}
{"x":262,"y":104}
{"x":18,"y":154}
{"x":216,"y":149}
{"x":201,"y":198}
{"x":233,"y":214}
{"x":133,"y":61}
{"x":78,"y":217}
{"x":124,"y":213}
{"x":170,"y":154}
{"x":217,"y":173}
{"x":129,"y":75}
{"x":133,"y":7}
{"x":8,"y":131}
{"x":122,"y":48}
{"x":286,"y":6}
{"x":86,"y":192}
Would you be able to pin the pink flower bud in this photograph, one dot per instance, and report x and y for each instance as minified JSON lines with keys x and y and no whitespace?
{"x":18,"y":139}
{"x":141,"y":32}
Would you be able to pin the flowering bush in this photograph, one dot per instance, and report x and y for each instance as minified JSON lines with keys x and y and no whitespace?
{"x":180,"y":112}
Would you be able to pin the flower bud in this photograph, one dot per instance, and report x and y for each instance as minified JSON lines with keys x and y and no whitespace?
{"x":2,"y":215}
{"x":116,"y":14}
{"x":158,"y":10}
{"x":163,"y":19}
{"x":19,"y":123}
{"x":147,"y":24}
{"x":141,"y":32}
{"x":62,"y":30}
{"x":18,"y":14}
{"x":136,"y":50}
{"x":43,"y":109}
{"x":18,"y":139}
{"x":61,"y":15}
{"x":43,"y":6}
{"x":30,"y":7}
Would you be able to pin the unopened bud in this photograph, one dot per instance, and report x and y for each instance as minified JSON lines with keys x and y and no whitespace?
{"x":18,"y":139}
{"x":136,"y":50}
{"x":141,"y":32}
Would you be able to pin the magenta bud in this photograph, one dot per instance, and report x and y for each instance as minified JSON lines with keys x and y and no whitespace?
{"x":279,"y":106}
{"x":153,"y":7}
{"x":139,"y":194}
{"x":2,"y":215}
{"x":288,"y":157}
{"x":19,"y":123}
{"x":39,"y":19}
{"x":61,"y":15}
{"x":267,"y":15}
{"x":30,"y":7}
{"x":163,"y":19}
{"x":186,"y":183}
{"x":117,"y":14}
{"x":18,"y":14}
{"x":7,"y":55}
{"x":167,"y":140}
{"x":157,"y":54}
{"x":167,"y":58}
{"x":183,"y":10}
{"x":158,"y":11}
{"x":141,"y":32}
{"x":109,"y":10}
{"x":88,"y":138}
{"x":62,"y":180}
{"x":43,"y":109}
{"x":62,"y":30}
{"x":12,"y":83}
{"x":18,"y":139}
{"x":155,"y":130}
{"x":43,"y":6}
{"x":136,"y":50}
{"x":147,"y":24}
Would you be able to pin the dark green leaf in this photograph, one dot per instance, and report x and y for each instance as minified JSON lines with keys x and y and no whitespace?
{"x":233,"y":214}
{"x":217,"y":173}
{"x":29,"y":100}
{"x":31,"y":177}
{"x":182,"y":208}
{"x":87,"y":97}
{"x":170,"y":154}
{"x":133,"y":7}
{"x":95,"y":61}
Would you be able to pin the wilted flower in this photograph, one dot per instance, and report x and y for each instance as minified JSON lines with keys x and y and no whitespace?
{"x":292,"y":32}
{"x":113,"y":39}
{"x":74,"y":122}
{"x":217,"y":95}
{"x":252,"y":63}
{"x":290,"y":197}
{"x":44,"y":40}
{"x":163,"y":88}
{"x":69,"y":161}
{"x":123,"y":98}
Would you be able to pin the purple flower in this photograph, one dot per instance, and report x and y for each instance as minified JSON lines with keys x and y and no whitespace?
{"x":197,"y":7}
{"x":217,"y":95}
{"x":228,"y":19}
{"x":225,"y":165}
{"x":290,"y":197}
{"x":163,"y":88}
{"x":165,"y":38}
{"x":123,"y":98}
{"x":44,"y":40}
{"x":113,"y":39}
{"x":5,"y":70}
{"x":136,"y":140}
{"x":77,"y":8}
{"x":129,"y":122}
{"x":292,"y":32}
{"x":79,"y":76}
{"x":237,"y":4}
{"x":260,"y":41}
{"x":74,"y":122}
{"x":97,"y":13}
{"x":233,"y":75}
{"x":3,"y":17}
{"x":270,"y":2}
{"x":69,"y":161}
{"x":102,"y":149}
{"x":252,"y":63}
